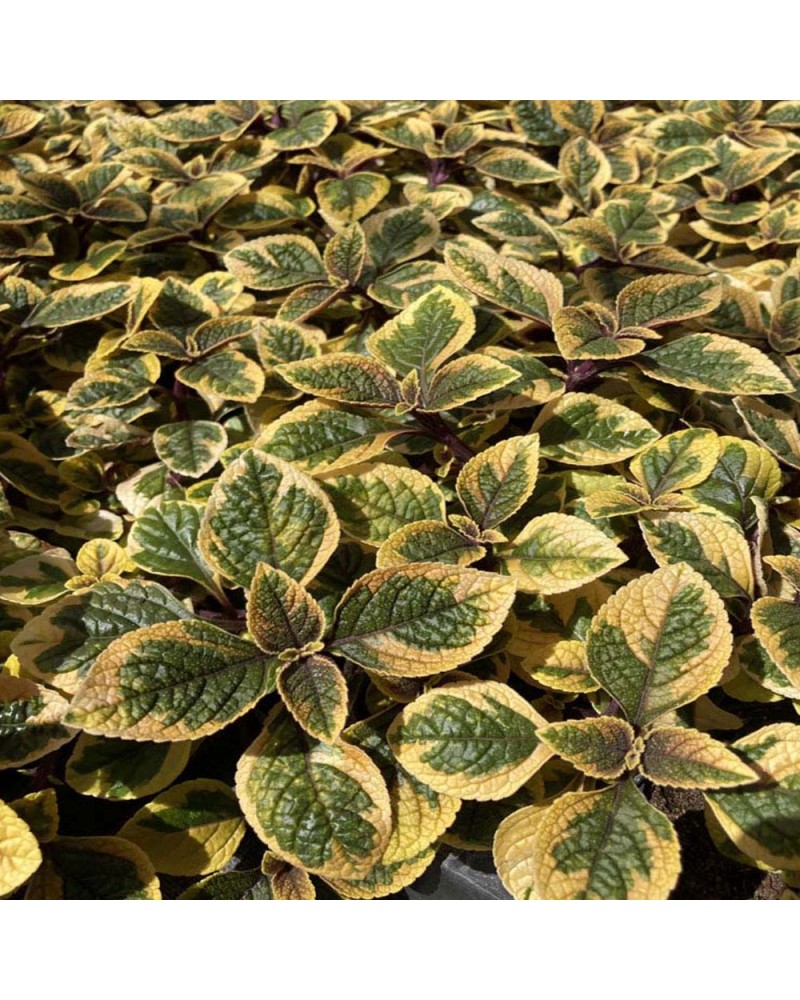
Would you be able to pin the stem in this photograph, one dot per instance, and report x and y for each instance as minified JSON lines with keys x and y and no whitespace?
{"x":435,"y":427}
{"x":581,"y":372}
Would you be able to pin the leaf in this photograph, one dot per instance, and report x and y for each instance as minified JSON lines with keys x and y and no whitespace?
{"x":27,"y":469}
{"x":518,"y":166}
{"x":711,"y":363}
{"x":598,"y":747}
{"x":31,"y":721}
{"x":583,"y":429}
{"x":344,"y":377}
{"x":373,"y":501}
{"x":385,"y":879}
{"x":40,"y":811}
{"x":336,"y":822}
{"x":400,"y":234}
{"x":347,"y":199}
{"x":120,"y":770}
{"x":659,"y":642}
{"x":94,"y":868}
{"x":320,"y":437}
{"x":558,"y":552}
{"x":506,"y":281}
{"x":685,"y":758}
{"x":465,"y":380}
{"x":667,"y":298}
{"x":677,"y":461}
{"x":428,"y":541}
{"x":776,"y":625}
{"x":20,"y":854}
{"x":420,"y":815}
{"x":100,"y":557}
{"x":513,"y":850}
{"x":473,"y":740}
{"x":788,"y":567}
{"x":710,"y":544}
{"x":610,"y":844}
{"x":262,"y":509}
{"x":345,"y":255}
{"x":78,"y":303}
{"x":272,"y":263}
{"x":426,"y":333}
{"x":281,"y":614}
{"x":496,"y":483}
{"x":164,"y":541}
{"x":743,"y":470}
{"x":172,"y":681}
{"x":193,"y":828}
{"x":577,"y":116}
{"x":590,"y":331}
{"x":315,"y":692}
{"x":238,"y":884}
{"x":773,"y":428}
{"x":229,"y":374}
{"x":221,"y":330}
{"x":763,"y":820}
{"x":419,"y":619}
{"x":60,"y":644}
{"x":191,"y":447}
{"x":37,"y":579}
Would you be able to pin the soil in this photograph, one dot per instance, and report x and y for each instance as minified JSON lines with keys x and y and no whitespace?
{"x":707,"y":874}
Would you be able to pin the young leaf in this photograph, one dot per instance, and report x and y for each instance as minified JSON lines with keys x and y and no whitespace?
{"x":193,"y":828}
{"x":590,"y":331}
{"x":315,"y":692}
{"x":174,"y":681}
{"x":419,"y":619}
{"x":659,"y":642}
{"x":118,"y":769}
{"x":558,"y":552}
{"x":610,"y":844}
{"x":583,"y":429}
{"x":473,"y":740}
{"x":711,"y":363}
{"x":262,"y":509}
{"x":337,"y":821}
{"x":281,"y":614}
{"x":347,"y":199}
{"x":373,"y":501}
{"x":190,"y":448}
{"x":677,"y":461}
{"x":426,"y":333}
{"x":78,"y":303}
{"x":685,"y":758}
{"x":496,"y":483}
{"x":598,"y":747}
{"x":229,"y":374}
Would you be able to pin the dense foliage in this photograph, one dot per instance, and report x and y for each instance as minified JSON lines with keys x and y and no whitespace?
{"x":385,"y":482}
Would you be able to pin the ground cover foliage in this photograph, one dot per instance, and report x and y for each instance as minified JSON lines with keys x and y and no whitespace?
{"x":391,"y":482}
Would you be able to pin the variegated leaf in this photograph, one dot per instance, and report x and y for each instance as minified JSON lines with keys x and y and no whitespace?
{"x":685,"y":758}
{"x":281,"y":614}
{"x":776,"y":625}
{"x":315,"y":692}
{"x":191,"y":447}
{"x":428,"y":541}
{"x":20,"y":854}
{"x":344,"y":377}
{"x":659,"y":642}
{"x":599,"y":747}
{"x":120,"y":769}
{"x":677,"y":461}
{"x":94,"y":868}
{"x":496,"y":483}
{"x":667,"y":298}
{"x":31,"y":721}
{"x":272,"y":263}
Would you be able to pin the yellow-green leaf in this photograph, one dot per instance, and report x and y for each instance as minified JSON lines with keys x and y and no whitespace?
{"x":660,"y":642}
{"x":191,"y":447}
{"x":428,"y":541}
{"x":776,"y":625}
{"x":677,"y":461}
{"x":472,"y":740}
{"x":420,"y":619}
{"x":31,"y":721}
{"x":271,"y":263}
{"x":281,"y":614}
{"x":496,"y":483}
{"x":685,"y":758}
{"x":344,"y":377}
{"x":337,"y":819}
{"x":558,"y":552}
{"x":598,"y":747}
{"x":667,"y":298}
{"x":20,"y":854}
{"x":122,"y":769}
{"x":610,"y":844}
{"x":314,"y":691}
{"x":94,"y":868}
{"x":193,"y":828}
